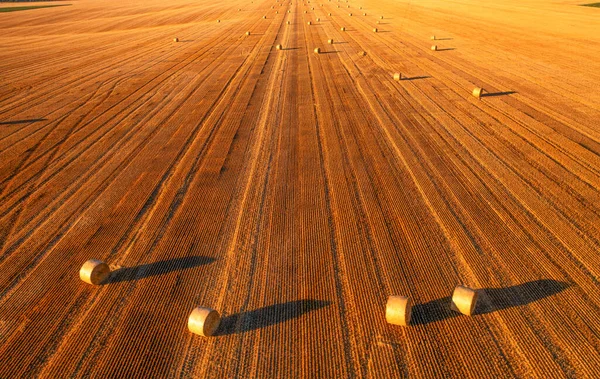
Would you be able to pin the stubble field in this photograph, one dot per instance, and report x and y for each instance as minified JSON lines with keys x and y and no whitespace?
{"x":294,"y":192}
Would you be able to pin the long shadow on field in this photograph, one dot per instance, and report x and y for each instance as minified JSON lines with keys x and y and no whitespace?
{"x":496,"y":299}
{"x":17,"y":122}
{"x":490,"y":300}
{"x":417,"y":78}
{"x":157,"y":268}
{"x":267,"y":316}
{"x":492,"y":94}
{"x":447,"y":49}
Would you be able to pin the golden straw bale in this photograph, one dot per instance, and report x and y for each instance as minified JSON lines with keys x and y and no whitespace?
{"x":464,"y":300}
{"x":398,"y":310}
{"x":204,"y":321}
{"x":94,"y":272}
{"x":477,"y":92}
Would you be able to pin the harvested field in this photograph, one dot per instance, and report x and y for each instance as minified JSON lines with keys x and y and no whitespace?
{"x":294,"y":193}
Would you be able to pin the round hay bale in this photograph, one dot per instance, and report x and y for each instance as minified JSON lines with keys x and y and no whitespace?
{"x":204,"y":321}
{"x":374,"y":30}
{"x":343,"y":29}
{"x":379,"y":22}
{"x":364,"y":14}
{"x":247,"y":33}
{"x":381,"y":17}
{"x":218,"y":21}
{"x":362,"y":53}
{"x":305,"y":11}
{"x":317,"y":50}
{"x":398,"y":310}
{"x":329,"y":14}
{"x":318,"y":19}
{"x":276,"y":12}
{"x":434,"y":48}
{"x":330,"y":41}
{"x":175,"y":39}
{"x":289,"y":11}
{"x":279,"y":47}
{"x":349,"y":14}
{"x":239,"y":9}
{"x":464,"y":300}
{"x":397,"y":76}
{"x":433,"y":38}
{"x":288,"y":22}
{"x":264,"y":17}
{"x":94,"y":272}
{"x":338,"y":6}
{"x":477,"y":92}
{"x":309,"y":23}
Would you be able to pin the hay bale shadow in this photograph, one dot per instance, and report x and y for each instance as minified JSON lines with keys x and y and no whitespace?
{"x":17,"y":122}
{"x":490,"y":300}
{"x":127,"y":274}
{"x":416,"y":77}
{"x":493,"y":94}
{"x":269,"y":315}
{"x":497,"y":299}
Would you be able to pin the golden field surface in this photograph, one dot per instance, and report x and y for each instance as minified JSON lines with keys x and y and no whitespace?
{"x":294,"y":192}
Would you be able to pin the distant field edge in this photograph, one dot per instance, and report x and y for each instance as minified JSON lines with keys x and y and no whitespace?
{"x":25,"y":8}
{"x":596,"y":5}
